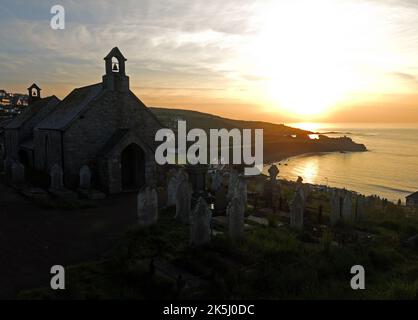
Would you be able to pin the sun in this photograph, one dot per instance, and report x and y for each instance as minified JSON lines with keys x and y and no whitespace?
{"x":303,"y":53}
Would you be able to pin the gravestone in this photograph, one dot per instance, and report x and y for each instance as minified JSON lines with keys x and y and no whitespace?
{"x":221,"y":200}
{"x":347,"y":211}
{"x":56,"y":177}
{"x":147,"y":206}
{"x":235,"y":214}
{"x":18,"y":173}
{"x":335,"y":215}
{"x":273,"y":172}
{"x":85,"y":178}
{"x":183,"y":202}
{"x":197,"y":177}
{"x":216,"y":181}
{"x":360,"y":204}
{"x":276,"y":197}
{"x":232,"y":184}
{"x":259,"y":186}
{"x":268,"y":193}
{"x":297,"y":210}
{"x":200,"y":228}
{"x":241,"y":190}
{"x":176,"y":177}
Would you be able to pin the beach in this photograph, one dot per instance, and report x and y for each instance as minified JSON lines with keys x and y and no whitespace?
{"x":387,"y":169}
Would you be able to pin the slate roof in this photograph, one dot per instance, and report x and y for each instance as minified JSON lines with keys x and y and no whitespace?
{"x":413,"y":195}
{"x":73,"y":105}
{"x":39,"y":108}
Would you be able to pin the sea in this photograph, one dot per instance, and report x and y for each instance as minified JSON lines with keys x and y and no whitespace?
{"x":388,"y":169}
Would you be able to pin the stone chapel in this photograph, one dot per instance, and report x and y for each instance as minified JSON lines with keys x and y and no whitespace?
{"x":104,"y":126}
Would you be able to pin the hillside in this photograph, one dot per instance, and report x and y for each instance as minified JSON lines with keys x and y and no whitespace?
{"x":207,"y":121}
{"x":280,"y":141}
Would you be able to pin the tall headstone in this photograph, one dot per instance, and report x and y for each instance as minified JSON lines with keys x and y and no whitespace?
{"x":197,"y":177}
{"x":183,"y":202}
{"x":216,"y":181}
{"x":56,"y":174}
{"x":18,"y":173}
{"x":147,"y":206}
{"x":259,"y":186}
{"x":232,"y":184}
{"x":360,"y":204}
{"x":336,"y":207}
{"x":277,"y":197}
{"x":85,"y":178}
{"x":176,"y":177}
{"x":221,"y":200}
{"x":241,"y":190}
{"x":200,"y":227}
{"x":235,"y":215}
{"x":347,"y":207}
{"x":297,"y":210}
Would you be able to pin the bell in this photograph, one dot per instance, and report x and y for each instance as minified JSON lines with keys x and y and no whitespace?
{"x":115,"y":67}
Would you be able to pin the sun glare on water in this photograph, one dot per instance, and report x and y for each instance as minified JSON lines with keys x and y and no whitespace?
{"x":305,"y":52}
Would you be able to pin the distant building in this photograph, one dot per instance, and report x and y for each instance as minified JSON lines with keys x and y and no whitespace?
{"x":18,"y":133}
{"x":412,"y":200}
{"x":104,"y":126}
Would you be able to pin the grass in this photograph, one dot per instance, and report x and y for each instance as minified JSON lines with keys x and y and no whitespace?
{"x":270,"y":263}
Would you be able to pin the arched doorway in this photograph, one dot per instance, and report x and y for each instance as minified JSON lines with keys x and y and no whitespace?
{"x":133,"y":167}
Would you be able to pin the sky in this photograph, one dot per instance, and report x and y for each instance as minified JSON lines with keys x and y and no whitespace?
{"x":271,"y":60}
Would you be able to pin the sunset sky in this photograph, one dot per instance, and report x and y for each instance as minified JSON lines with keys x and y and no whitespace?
{"x":272,"y":60}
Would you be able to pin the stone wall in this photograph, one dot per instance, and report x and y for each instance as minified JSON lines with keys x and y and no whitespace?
{"x":90,"y":132}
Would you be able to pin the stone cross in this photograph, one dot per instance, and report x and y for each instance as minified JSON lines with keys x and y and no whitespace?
{"x":18,"y":173}
{"x":147,"y":206}
{"x":183,"y":202}
{"x":273,"y":172}
{"x":56,"y":177}
{"x":235,"y":214}
{"x":297,"y":210}
{"x":200,"y":227}
{"x":85,"y":178}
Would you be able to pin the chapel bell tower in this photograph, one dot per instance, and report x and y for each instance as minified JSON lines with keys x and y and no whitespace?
{"x":34,"y":93}
{"x":115,"y":77}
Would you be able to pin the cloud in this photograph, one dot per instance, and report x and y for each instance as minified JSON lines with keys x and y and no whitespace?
{"x":404,"y":76}
{"x":189,"y":39}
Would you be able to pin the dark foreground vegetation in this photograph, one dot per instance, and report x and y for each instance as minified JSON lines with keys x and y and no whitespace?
{"x":272,"y":262}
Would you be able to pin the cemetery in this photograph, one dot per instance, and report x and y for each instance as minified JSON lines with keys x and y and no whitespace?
{"x":210,"y":233}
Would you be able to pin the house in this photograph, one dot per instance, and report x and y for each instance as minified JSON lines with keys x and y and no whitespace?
{"x":412,"y":200}
{"x":18,"y":133}
{"x":104,"y":126}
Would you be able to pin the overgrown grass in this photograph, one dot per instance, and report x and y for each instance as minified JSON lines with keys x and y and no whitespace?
{"x":270,"y":263}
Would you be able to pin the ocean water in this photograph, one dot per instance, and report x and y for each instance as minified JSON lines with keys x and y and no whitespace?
{"x":389,"y":169}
